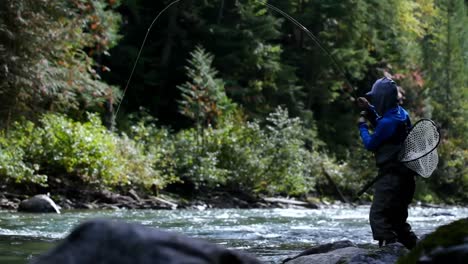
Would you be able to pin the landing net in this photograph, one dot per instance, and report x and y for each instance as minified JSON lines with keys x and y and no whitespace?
{"x":419,"y":151}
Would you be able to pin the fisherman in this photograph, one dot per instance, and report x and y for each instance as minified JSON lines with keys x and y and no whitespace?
{"x":394,"y":189}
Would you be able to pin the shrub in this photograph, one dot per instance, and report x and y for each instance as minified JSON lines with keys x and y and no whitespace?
{"x":237,"y":155}
{"x":12,"y":160}
{"x":156,"y":147}
{"x":242,"y":155}
{"x":59,"y":146}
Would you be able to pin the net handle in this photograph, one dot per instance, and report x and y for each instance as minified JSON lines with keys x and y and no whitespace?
{"x":438,"y":141}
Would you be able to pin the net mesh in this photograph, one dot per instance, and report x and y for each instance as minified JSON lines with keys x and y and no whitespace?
{"x":424,"y":166}
{"x":419,"y":152}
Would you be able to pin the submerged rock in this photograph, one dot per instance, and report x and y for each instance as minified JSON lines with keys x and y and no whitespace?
{"x":40,"y":203}
{"x":106,"y":242}
{"x":347,"y":252}
{"x":323,"y":249}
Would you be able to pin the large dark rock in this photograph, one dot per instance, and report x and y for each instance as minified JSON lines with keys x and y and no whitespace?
{"x":111,"y":242}
{"x":322,"y":249}
{"x":347,"y":252}
{"x":40,"y":203}
{"x":454,"y":255}
{"x":448,"y":244}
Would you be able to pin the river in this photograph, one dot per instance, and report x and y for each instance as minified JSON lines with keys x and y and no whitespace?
{"x":270,"y":234}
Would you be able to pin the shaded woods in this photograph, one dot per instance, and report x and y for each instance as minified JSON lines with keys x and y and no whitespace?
{"x":227,"y":95}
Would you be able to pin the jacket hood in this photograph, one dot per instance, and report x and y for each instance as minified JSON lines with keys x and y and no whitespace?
{"x":383,"y":95}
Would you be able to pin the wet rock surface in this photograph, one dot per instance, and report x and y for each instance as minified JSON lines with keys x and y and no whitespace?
{"x":347,"y":252}
{"x":455,"y":254}
{"x":40,"y":203}
{"x":448,"y":244}
{"x":107,"y":241}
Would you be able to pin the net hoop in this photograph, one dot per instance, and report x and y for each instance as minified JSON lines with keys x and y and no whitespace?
{"x":436,"y":145}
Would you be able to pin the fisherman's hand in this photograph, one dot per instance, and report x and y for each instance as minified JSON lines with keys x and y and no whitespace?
{"x":362,"y":117}
{"x":363,"y":103}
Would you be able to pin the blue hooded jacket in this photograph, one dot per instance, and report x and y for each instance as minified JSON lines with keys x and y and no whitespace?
{"x":390,"y":120}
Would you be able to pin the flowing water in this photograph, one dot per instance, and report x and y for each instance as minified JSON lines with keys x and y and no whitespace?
{"x":270,"y":234}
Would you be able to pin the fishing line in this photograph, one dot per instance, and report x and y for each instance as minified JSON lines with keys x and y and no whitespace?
{"x":272,"y":7}
{"x":315,"y":39}
{"x":139,"y":54}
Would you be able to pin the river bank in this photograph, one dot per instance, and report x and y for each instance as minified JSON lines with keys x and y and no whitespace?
{"x":104,"y":199}
{"x":200,"y":200}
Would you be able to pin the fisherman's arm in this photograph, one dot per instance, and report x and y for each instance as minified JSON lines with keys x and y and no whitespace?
{"x":383,"y":131}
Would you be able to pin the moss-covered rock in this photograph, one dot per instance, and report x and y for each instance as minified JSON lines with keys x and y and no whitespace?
{"x":447,"y":236}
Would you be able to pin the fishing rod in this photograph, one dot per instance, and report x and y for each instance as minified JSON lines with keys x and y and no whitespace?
{"x":270,"y":6}
{"x":139,"y":54}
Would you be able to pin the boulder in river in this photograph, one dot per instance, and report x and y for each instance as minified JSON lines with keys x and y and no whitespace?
{"x":107,"y":241}
{"x":347,"y":252}
{"x":40,"y":203}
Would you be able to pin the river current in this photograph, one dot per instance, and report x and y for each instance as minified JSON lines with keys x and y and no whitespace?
{"x":270,"y":234}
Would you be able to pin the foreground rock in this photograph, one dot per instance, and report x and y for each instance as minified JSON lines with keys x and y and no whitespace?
{"x":40,"y":203}
{"x":448,"y":244}
{"x":347,"y":252}
{"x":106,"y":242}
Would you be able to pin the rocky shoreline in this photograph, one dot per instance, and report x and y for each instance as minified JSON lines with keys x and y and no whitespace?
{"x":164,"y":201}
{"x":95,"y":200}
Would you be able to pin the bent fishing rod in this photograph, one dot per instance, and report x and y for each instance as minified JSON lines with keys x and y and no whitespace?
{"x":270,"y":6}
{"x":340,"y":70}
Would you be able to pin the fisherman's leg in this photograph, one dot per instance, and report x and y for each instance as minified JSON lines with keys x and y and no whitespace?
{"x":380,"y":215}
{"x":405,"y":235}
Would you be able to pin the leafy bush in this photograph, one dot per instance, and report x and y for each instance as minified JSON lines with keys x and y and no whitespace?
{"x":157,"y":145}
{"x":242,"y":155}
{"x":269,"y":158}
{"x":59,"y":146}
{"x":12,"y":163}
{"x":289,"y":164}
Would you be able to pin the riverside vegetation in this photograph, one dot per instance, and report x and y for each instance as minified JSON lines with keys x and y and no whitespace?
{"x":246,"y":104}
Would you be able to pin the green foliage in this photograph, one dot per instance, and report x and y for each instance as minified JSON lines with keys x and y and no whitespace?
{"x":86,"y":152}
{"x":447,"y":86}
{"x":12,"y":158}
{"x":157,"y":145}
{"x":47,"y":55}
{"x":242,"y":155}
{"x":290,"y":165}
{"x":238,"y":155}
{"x":53,"y":55}
{"x":203,"y":99}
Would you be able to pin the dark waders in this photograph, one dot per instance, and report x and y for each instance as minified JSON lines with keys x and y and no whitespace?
{"x":393,"y":192}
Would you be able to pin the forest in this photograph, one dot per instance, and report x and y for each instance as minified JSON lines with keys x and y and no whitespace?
{"x":228,"y":95}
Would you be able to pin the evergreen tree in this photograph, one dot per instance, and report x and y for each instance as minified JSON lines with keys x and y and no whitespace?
{"x":447,"y":80}
{"x":203,"y":97}
{"x":47,"y":50}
